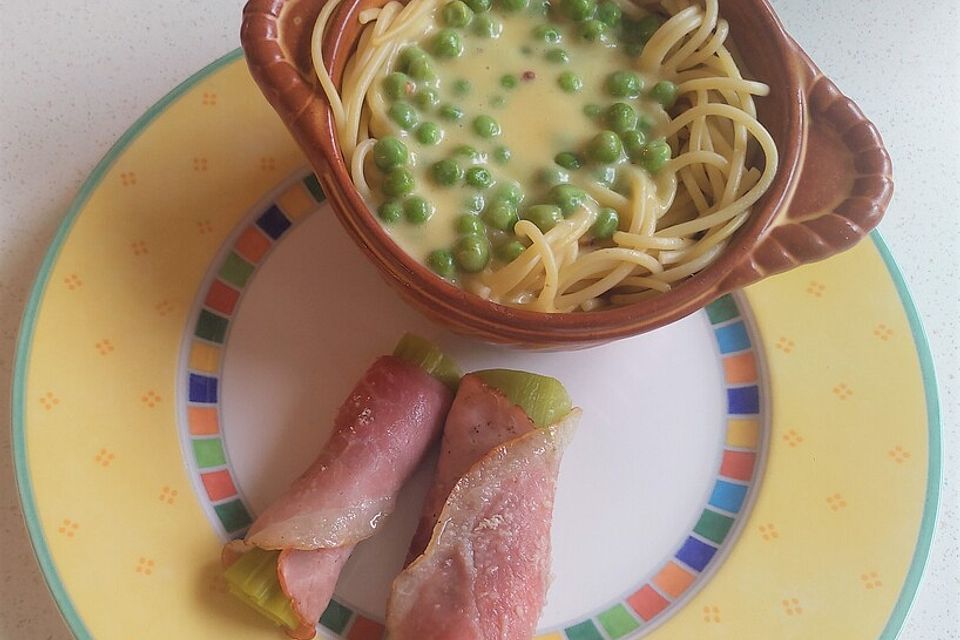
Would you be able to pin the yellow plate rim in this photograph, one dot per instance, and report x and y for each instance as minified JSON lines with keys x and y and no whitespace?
{"x":26,"y":336}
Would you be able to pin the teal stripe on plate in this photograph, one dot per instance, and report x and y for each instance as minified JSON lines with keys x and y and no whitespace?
{"x":586,"y":630}
{"x":211,"y":327}
{"x":931,"y":503}
{"x":313,"y":186}
{"x":233,"y":515}
{"x":722,"y":309}
{"x":713,"y":526}
{"x":336,"y":617}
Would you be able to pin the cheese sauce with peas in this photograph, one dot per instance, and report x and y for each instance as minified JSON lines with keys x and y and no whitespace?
{"x":509,"y":111}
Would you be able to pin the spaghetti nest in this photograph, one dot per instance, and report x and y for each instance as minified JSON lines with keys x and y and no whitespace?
{"x":672,"y":223}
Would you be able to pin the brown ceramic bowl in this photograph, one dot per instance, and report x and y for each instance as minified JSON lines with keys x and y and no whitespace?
{"x":833,"y":184}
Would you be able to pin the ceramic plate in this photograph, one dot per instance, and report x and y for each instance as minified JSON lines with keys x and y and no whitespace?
{"x":766,"y":467}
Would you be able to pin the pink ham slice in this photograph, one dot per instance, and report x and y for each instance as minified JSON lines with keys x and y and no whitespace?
{"x":485,"y":571}
{"x":480,"y":419}
{"x":308,"y":579}
{"x":381,"y":432}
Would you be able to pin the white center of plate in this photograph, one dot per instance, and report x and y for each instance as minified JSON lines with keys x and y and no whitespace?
{"x":632,"y":484}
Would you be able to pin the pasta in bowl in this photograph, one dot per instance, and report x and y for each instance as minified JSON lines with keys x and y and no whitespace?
{"x":558,"y":175}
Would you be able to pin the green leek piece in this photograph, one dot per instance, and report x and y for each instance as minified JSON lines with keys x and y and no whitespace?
{"x":543,"y":398}
{"x":430,"y":358}
{"x":253,"y":579}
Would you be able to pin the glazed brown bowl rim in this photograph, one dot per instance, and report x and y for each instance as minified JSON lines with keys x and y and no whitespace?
{"x":681,"y":297}
{"x":832,"y":184}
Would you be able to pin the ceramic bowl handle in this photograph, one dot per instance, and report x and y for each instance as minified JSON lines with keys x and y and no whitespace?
{"x":276,"y":44}
{"x":844,"y":185}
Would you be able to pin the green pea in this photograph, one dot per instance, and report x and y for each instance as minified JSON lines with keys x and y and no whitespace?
{"x":389,"y":152}
{"x":479,"y":177}
{"x":591,"y":110}
{"x":547,"y":33}
{"x":632,"y":49}
{"x":421,"y":69}
{"x":447,"y":44}
{"x":621,"y":117}
{"x":501,"y":214}
{"x":479,"y":6}
{"x":469,"y":223}
{"x":398,"y":182}
{"x":648,"y":26}
{"x":633,"y":143}
{"x":664,"y":92}
{"x":461,"y":87}
{"x":605,"y":174}
{"x":510,"y":251}
{"x":501,"y":155}
{"x":654,"y":154}
{"x":606,"y":223}
{"x":450,"y":112}
{"x":514,"y":5}
{"x":557,"y":56}
{"x":486,"y":127}
{"x":579,"y":9}
{"x":398,"y":85}
{"x":527,"y":51}
{"x":624,"y":84}
{"x":446,"y":172}
{"x":545,"y":216}
{"x":408,"y":55}
{"x":508,"y":81}
{"x":567,"y":197}
{"x":487,"y":26}
{"x":605,"y":147}
{"x":540,"y":7}
{"x":510,"y":192}
{"x":637,"y":32}
{"x":475,"y":202}
{"x":570,"y":82}
{"x":552,"y":176}
{"x":645,"y":124}
{"x":609,"y":13}
{"x":429,"y":133}
{"x":441,"y":261}
{"x":417,"y":210}
{"x":472,"y":253}
{"x":568,"y":160}
{"x":426,"y":98}
{"x":593,"y":30}
{"x":468,"y":152}
{"x":497,"y":101}
{"x":457,"y":14}
{"x":403,"y":114}
{"x":390,"y":211}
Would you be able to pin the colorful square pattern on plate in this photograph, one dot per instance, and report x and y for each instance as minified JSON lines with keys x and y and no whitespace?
{"x":219,"y":302}
{"x":654,"y":598}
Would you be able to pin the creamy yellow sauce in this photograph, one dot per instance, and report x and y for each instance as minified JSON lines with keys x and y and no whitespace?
{"x":538,"y":119}
{"x":590,"y":183}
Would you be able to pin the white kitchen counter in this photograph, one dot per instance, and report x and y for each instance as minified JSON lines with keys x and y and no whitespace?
{"x":75,"y":74}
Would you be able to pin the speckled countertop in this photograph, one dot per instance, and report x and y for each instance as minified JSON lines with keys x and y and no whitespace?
{"x":74,"y":75}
